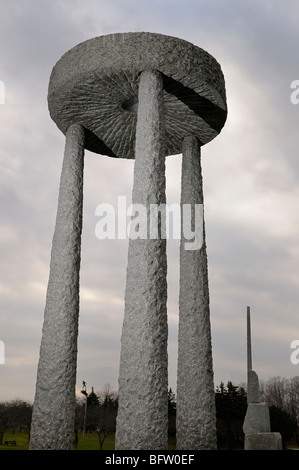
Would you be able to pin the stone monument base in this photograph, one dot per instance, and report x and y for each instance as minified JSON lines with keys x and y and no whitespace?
{"x":263,"y":441}
{"x":257,"y":419}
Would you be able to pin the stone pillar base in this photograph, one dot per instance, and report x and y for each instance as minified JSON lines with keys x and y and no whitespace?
{"x":263,"y":441}
{"x":257,"y":419}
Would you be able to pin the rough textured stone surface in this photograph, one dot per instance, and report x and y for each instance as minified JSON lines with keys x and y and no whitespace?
{"x":249,"y":350}
{"x":257,"y":418}
{"x":256,"y":424}
{"x":196,"y":415}
{"x":263,"y":441}
{"x":54,"y":404}
{"x":135,"y":95}
{"x":143,"y":381}
{"x":253,"y":387}
{"x":93,"y":81}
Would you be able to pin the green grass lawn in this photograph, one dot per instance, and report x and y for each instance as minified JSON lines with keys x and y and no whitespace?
{"x":21,"y":439}
{"x":90,"y":441}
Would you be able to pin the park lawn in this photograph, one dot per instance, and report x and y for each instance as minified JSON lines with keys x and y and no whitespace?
{"x":21,"y":439}
{"x":90,"y":441}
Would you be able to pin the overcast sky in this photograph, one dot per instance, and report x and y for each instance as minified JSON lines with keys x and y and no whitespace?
{"x":251,"y":186}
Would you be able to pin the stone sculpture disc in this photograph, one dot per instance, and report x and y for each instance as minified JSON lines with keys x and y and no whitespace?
{"x":96,"y":84}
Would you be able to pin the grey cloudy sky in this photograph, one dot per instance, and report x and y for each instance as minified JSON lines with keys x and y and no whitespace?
{"x":251,"y":184}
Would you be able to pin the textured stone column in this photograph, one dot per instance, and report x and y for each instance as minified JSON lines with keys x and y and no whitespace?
{"x":142,"y":415}
{"x":54,"y":404}
{"x":196,"y":415}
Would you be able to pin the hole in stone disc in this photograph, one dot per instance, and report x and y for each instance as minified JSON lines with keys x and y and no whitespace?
{"x":131,"y":105}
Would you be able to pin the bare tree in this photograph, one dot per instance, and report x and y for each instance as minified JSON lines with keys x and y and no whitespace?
{"x":108,"y":408}
{"x":276,"y":392}
{"x":102,"y":434}
{"x":107,"y":394}
{"x":293,"y":401}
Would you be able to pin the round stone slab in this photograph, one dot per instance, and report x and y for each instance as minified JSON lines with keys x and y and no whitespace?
{"x":96,"y":84}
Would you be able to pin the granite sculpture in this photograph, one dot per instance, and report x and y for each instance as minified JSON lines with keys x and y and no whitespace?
{"x":140,"y":96}
{"x":256,"y":427}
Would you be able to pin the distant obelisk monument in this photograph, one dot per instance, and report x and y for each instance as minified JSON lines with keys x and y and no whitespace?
{"x":140,"y":96}
{"x":256,"y":425}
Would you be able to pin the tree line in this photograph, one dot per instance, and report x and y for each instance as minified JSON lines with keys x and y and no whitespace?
{"x":231,"y":404}
{"x":96,"y":412}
